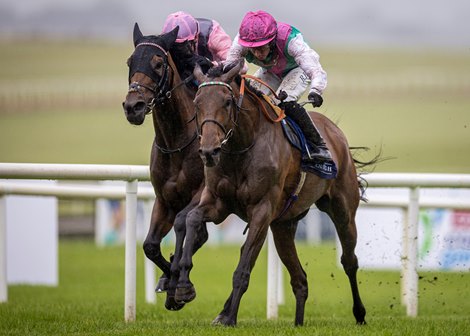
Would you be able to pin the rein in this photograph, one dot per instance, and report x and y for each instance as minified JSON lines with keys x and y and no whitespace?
{"x":228,"y":134}
{"x":260,"y":102}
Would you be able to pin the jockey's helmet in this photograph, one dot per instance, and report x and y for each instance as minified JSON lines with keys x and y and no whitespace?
{"x":189,"y":27}
{"x":257,"y":29}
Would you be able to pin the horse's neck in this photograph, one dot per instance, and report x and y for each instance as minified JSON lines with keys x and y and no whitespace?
{"x":248,"y":123}
{"x":172,"y":120}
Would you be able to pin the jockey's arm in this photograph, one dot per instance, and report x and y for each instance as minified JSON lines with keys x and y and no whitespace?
{"x":309,"y":61}
{"x":219,"y":42}
{"x":235,"y":54}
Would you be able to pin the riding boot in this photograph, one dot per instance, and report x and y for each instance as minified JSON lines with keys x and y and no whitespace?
{"x":297,"y":113}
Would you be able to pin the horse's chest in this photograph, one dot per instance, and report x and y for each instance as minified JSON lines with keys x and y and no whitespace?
{"x":176,"y":187}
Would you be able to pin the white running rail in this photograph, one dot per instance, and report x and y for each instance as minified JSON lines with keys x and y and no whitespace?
{"x":133,"y":174}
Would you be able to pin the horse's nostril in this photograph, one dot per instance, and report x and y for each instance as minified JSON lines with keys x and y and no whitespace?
{"x":216,"y":151}
{"x":139,"y":107}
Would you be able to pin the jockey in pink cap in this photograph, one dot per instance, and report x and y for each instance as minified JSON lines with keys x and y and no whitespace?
{"x":203,"y":36}
{"x":287,"y":64}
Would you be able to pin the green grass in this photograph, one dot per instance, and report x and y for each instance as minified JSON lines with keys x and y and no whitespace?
{"x":89,"y":299}
{"x":61,"y":102}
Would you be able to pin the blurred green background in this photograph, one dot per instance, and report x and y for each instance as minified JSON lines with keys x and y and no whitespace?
{"x":60,"y":102}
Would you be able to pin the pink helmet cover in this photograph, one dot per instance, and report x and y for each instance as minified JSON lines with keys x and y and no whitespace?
{"x":189,"y":27}
{"x":257,"y":29}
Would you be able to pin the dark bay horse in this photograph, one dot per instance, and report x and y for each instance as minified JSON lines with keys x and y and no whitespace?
{"x":252,"y":171}
{"x":176,"y":170}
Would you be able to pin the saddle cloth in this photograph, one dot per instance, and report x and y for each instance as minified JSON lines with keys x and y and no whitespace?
{"x":295,"y":136}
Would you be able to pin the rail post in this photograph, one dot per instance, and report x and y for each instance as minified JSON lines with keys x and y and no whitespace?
{"x":411,"y":257}
{"x":130,"y":246}
{"x":272,"y":295}
{"x":150,"y":296}
{"x":3,"y":251}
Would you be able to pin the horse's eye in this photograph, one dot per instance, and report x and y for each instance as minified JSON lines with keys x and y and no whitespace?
{"x":156,"y":64}
{"x":228,"y":103}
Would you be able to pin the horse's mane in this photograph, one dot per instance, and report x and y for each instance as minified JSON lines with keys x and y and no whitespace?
{"x":221,"y":69}
{"x":185,"y":62}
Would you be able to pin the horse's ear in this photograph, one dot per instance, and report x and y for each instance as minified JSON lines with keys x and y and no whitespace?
{"x":137,"y":34}
{"x":169,"y":38}
{"x":230,"y":75}
{"x":198,"y":74}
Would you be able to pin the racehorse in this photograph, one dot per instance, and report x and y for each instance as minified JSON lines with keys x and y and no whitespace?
{"x":176,"y":170}
{"x":251,"y":170}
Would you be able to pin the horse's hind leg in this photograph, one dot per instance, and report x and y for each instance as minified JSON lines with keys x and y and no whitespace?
{"x":284,"y":234}
{"x":342,"y":211}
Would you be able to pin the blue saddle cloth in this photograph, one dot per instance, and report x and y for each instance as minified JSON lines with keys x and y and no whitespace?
{"x":293,"y":133}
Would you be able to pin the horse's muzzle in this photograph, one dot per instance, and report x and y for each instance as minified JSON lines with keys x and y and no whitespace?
{"x":135,"y":111}
{"x":210,"y":157}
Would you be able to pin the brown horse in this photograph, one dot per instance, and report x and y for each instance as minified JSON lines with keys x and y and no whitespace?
{"x":176,"y":170}
{"x":252,"y":171}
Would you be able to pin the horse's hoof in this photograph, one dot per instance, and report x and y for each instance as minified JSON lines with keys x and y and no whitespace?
{"x":162,"y":285}
{"x":185,"y":294}
{"x":172,"y":305}
{"x":223,"y":321}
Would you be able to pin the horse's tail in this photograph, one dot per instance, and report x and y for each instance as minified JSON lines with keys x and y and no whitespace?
{"x":365,"y":167}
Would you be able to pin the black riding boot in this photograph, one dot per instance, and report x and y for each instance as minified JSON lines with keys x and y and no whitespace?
{"x":296,"y":112}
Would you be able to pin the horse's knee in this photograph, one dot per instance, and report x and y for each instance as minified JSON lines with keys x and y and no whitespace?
{"x":180,"y":223}
{"x":202,"y":235}
{"x":194,"y":218}
{"x":151,"y":249}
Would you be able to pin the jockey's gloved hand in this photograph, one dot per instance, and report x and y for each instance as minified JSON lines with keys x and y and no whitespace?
{"x":315,"y":99}
{"x":203,"y":62}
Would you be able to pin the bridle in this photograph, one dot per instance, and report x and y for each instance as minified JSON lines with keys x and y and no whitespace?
{"x":161,"y":91}
{"x":233,"y":118}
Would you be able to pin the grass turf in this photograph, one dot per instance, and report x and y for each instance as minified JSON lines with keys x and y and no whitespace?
{"x":90,"y":299}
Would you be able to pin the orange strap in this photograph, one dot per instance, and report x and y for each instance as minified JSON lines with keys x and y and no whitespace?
{"x":260,"y":102}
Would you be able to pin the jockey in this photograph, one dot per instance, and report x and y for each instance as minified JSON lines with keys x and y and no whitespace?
{"x":204,"y":37}
{"x":287,"y":64}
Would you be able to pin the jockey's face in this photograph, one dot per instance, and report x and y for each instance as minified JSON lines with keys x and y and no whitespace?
{"x":261,"y":52}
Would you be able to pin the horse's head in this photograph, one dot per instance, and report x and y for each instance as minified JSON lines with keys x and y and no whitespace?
{"x":148,"y":74}
{"x":216,"y":112}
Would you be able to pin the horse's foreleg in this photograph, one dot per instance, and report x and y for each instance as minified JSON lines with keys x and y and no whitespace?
{"x":180,"y":233}
{"x":185,"y":291}
{"x":284,"y":234}
{"x":160,"y":224}
{"x":258,"y":228}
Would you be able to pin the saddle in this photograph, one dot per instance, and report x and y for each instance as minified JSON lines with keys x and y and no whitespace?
{"x":295,"y":136}
{"x":293,"y":133}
